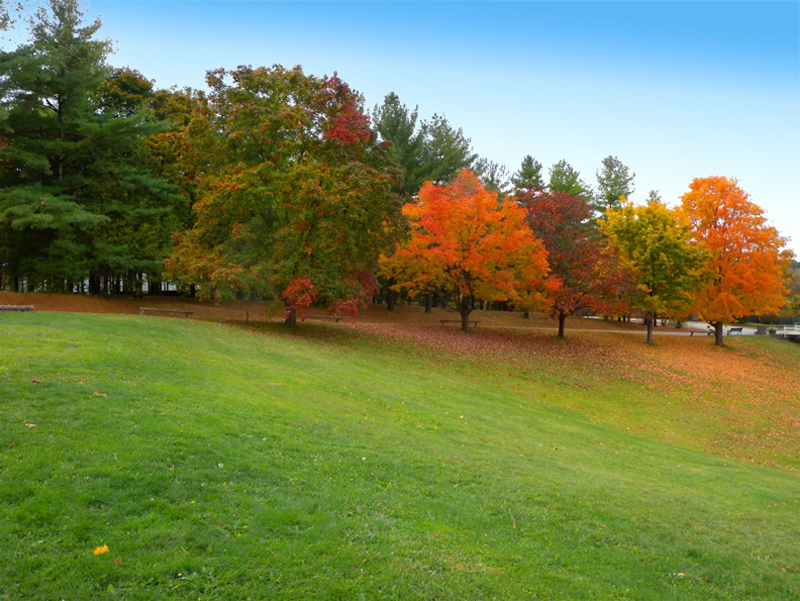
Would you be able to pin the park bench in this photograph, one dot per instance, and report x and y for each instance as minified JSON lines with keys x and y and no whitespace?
{"x":334,"y":317}
{"x":458,"y":321}
{"x":143,"y":310}
{"x":710,"y":331}
{"x":17,"y":308}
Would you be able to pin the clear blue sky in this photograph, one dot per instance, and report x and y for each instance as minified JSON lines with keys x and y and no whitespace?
{"x":676,"y":90}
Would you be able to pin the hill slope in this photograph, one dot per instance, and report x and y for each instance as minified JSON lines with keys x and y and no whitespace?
{"x":336,"y":463}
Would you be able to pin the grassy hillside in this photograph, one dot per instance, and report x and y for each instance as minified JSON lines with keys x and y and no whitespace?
{"x":391,"y":463}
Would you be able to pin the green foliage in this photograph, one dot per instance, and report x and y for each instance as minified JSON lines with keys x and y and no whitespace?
{"x":434,"y":151}
{"x":614,"y":181}
{"x":293,"y":185}
{"x":493,"y":176}
{"x":654,"y":197}
{"x":655,"y":242}
{"x":564,"y":178}
{"x":529,"y":177}
{"x":76,"y":197}
{"x":394,"y":123}
{"x":446,"y":151}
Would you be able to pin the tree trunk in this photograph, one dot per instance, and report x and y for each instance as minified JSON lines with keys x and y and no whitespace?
{"x":526,"y":315}
{"x":465,"y":308}
{"x":649,"y":321}
{"x":153,"y":287}
{"x":562,"y":318}
{"x":291,"y":317}
{"x":390,"y":300}
{"x":94,"y":284}
{"x":718,"y":340}
{"x":429,"y":302}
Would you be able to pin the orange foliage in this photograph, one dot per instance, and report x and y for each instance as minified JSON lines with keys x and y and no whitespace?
{"x":464,"y":242}
{"x":748,"y":259}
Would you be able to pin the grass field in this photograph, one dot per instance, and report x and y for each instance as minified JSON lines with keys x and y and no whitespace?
{"x":392,"y":461}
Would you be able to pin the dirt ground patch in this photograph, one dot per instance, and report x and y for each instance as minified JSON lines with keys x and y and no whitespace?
{"x":262,"y":311}
{"x":85,"y":303}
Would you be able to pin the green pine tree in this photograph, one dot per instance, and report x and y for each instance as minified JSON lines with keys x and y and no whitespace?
{"x":614,"y":180}
{"x":564,"y":178}
{"x":529,"y":176}
{"x":445,"y":152}
{"x":394,"y":123}
{"x":75,"y":190}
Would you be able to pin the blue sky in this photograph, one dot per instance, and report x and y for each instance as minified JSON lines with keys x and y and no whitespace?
{"x":676,"y":90}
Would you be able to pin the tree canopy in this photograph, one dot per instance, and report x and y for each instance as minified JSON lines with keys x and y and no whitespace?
{"x":614,"y":182}
{"x":655,"y":242}
{"x":294,"y":185}
{"x":563,"y":223}
{"x":467,"y":244}
{"x":564,"y":178}
{"x":748,"y":259}
{"x":431,"y":151}
{"x":529,"y":176}
{"x":77,"y":200}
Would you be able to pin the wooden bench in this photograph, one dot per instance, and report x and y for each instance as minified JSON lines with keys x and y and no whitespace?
{"x":17,"y":308}
{"x":710,"y":331}
{"x":143,"y":310}
{"x":336,"y":318}
{"x":458,"y":321}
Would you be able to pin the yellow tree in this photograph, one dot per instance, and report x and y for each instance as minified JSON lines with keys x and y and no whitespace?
{"x":748,"y":262}
{"x":654,"y":243}
{"x":466,"y":243}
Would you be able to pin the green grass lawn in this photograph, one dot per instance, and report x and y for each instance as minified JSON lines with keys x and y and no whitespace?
{"x":219,"y":463}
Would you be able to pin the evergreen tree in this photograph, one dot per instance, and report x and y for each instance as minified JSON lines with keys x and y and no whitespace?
{"x":654,"y":197}
{"x":433,"y":151}
{"x":614,"y":180}
{"x":394,"y":123}
{"x":564,"y":178}
{"x":493,"y":176}
{"x":74,"y":190}
{"x":445,"y":152}
{"x":529,"y":176}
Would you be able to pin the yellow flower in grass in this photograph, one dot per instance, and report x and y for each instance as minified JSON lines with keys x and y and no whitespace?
{"x":100,"y":550}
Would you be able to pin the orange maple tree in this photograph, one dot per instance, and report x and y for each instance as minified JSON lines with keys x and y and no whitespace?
{"x":748,"y":260}
{"x":465,"y":243}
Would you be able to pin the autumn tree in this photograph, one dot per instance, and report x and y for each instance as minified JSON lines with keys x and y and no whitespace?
{"x":654,"y":241}
{"x":296,"y":193}
{"x":614,"y":181}
{"x":748,"y":259}
{"x":465,"y":243}
{"x":563,"y":223}
{"x":793,"y":304}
